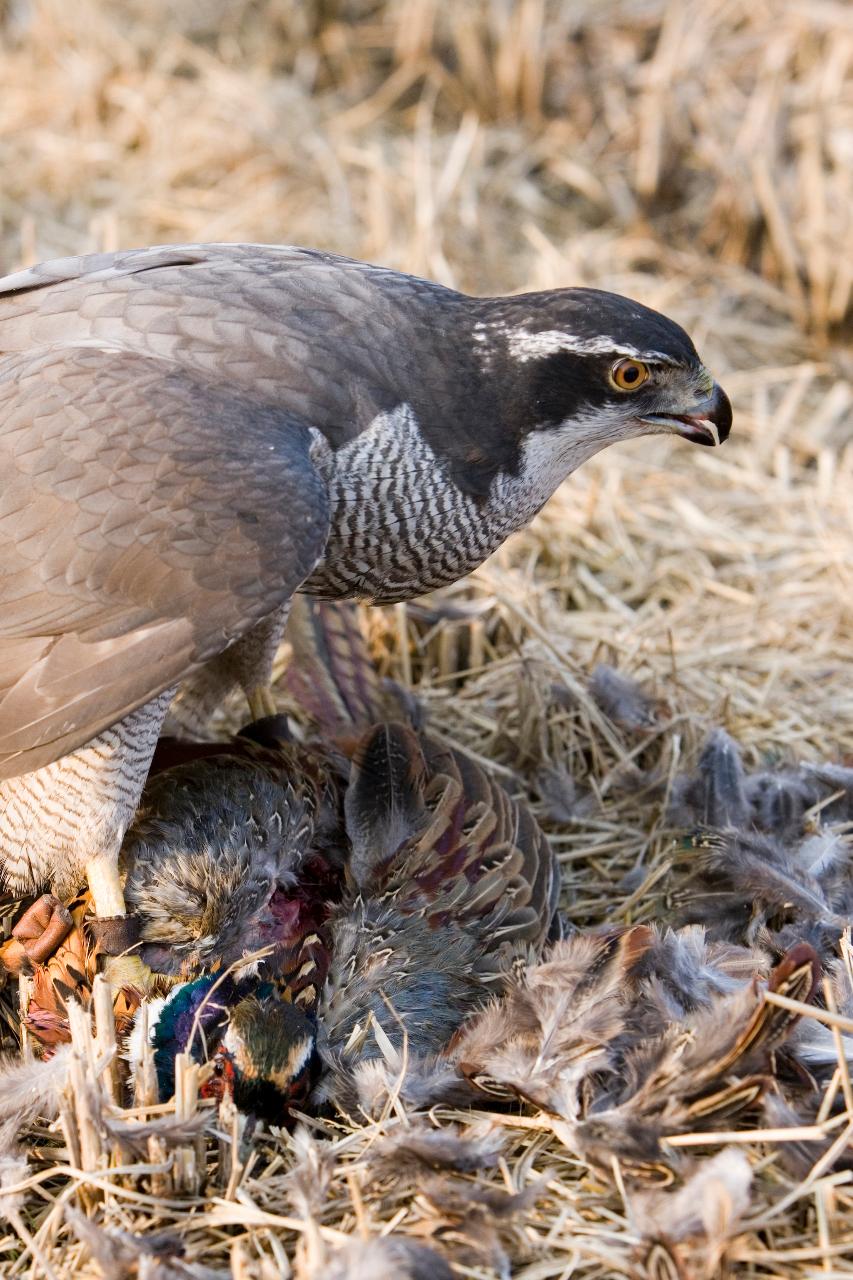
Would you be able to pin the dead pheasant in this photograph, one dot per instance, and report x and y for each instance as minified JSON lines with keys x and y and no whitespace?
{"x":449,"y":884}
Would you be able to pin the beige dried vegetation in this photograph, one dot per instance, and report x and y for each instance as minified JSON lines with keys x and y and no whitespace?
{"x":697,"y":155}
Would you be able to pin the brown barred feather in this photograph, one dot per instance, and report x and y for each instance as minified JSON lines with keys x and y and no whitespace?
{"x":332,"y":675}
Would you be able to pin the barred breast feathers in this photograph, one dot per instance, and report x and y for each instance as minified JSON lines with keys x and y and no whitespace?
{"x":400,"y":526}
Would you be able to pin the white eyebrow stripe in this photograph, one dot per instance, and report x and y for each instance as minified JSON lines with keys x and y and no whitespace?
{"x":524,"y":345}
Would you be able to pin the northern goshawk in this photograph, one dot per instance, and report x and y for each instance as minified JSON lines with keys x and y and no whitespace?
{"x":191,"y":434}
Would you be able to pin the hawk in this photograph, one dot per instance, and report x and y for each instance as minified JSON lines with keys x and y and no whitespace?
{"x":191,"y":434}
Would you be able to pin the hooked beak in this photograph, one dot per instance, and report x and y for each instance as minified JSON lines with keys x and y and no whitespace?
{"x":707,"y":422}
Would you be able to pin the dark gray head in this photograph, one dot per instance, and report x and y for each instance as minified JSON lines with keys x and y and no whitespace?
{"x":557,"y":376}
{"x":596,"y":359}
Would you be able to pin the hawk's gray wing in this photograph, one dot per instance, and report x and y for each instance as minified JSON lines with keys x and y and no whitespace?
{"x":149,"y":515}
{"x":154,"y":503}
{"x":293,"y":326}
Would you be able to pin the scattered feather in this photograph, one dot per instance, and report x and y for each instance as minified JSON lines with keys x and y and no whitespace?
{"x":711,"y":1201}
{"x":122,"y":1255}
{"x":621,"y":699}
{"x":392,"y":1257}
{"x":13,"y":1170}
{"x":414,"y":1151}
{"x":308,"y":1181}
{"x":552,"y":1029}
{"x":562,"y":800}
{"x":29,"y":1088}
{"x":740,"y":883}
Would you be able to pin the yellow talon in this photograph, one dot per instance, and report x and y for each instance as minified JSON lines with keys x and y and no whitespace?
{"x":261,"y":702}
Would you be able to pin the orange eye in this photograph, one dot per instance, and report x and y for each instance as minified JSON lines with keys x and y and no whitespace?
{"x":628,"y":375}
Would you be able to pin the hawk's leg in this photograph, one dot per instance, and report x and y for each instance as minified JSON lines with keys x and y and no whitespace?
{"x":261,"y":702}
{"x":64,"y":823}
{"x":247,"y":664}
{"x":252,"y":659}
{"x":125,"y":750}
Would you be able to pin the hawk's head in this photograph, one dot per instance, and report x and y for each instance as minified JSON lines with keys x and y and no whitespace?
{"x":588,"y":368}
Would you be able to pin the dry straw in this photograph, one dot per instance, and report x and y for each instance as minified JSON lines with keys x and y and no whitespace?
{"x":696,"y":155}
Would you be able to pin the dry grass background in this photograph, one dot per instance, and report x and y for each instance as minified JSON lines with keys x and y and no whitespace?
{"x":697,"y":155}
